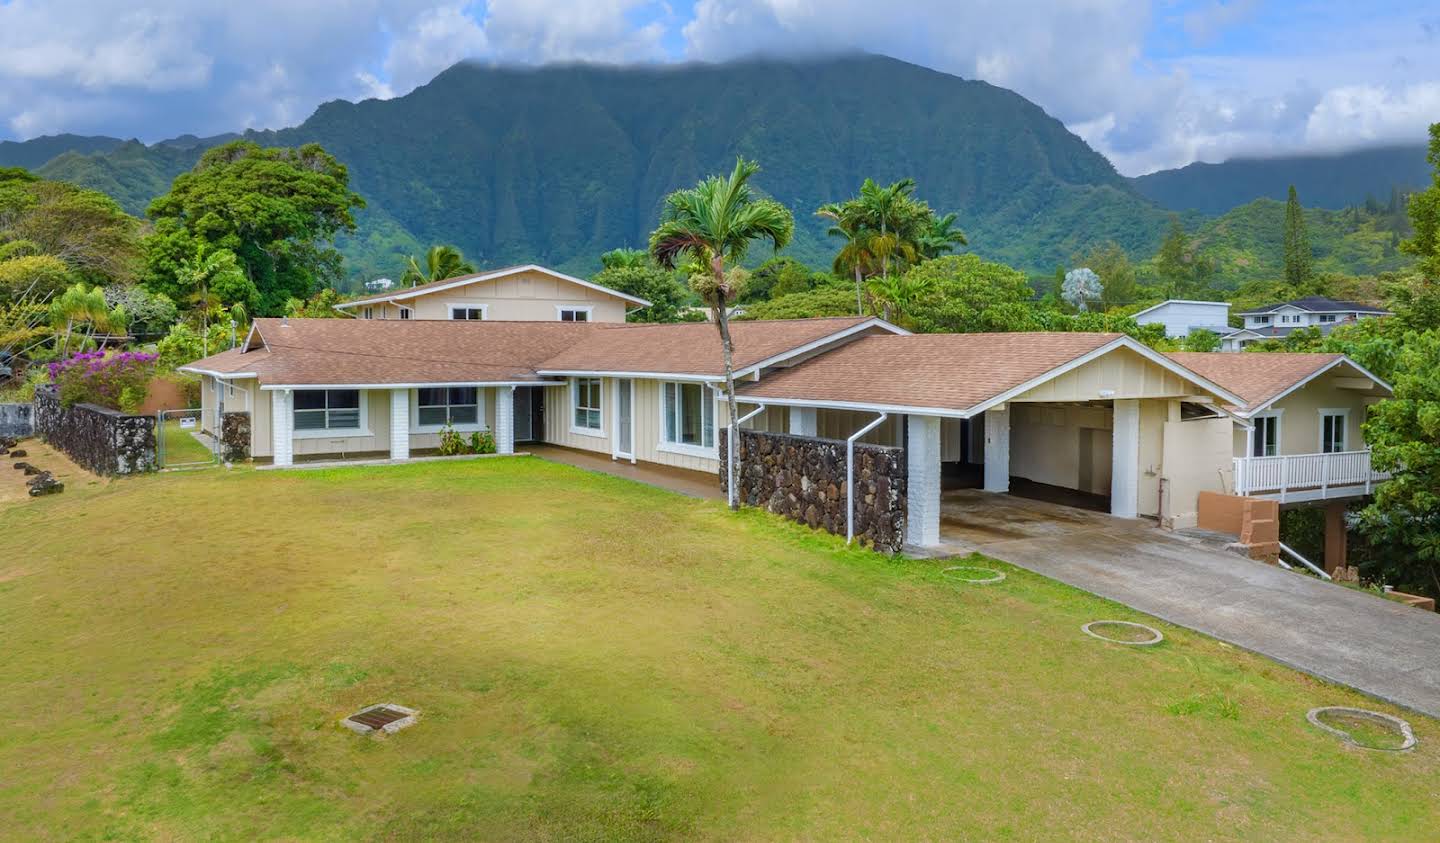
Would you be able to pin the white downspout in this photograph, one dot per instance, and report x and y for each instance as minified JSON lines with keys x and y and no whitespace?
{"x":731,"y":451}
{"x":850,"y":474}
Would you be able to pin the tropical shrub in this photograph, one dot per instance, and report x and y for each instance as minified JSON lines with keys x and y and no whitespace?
{"x":482,"y":442}
{"x":451,"y":443}
{"x":118,"y":380}
{"x":182,"y":345}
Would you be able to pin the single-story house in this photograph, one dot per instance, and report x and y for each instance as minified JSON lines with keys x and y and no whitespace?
{"x":1139,"y":432}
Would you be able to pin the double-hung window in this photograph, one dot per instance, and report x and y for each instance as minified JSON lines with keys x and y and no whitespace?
{"x":457,"y":406}
{"x":585,"y":398}
{"x":689,"y":415}
{"x":327,"y":409}
{"x":1332,"y":431}
{"x":1267,"y":436}
{"x":465,"y":312}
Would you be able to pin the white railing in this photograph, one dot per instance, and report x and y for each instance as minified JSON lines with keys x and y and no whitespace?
{"x":1315,"y":475}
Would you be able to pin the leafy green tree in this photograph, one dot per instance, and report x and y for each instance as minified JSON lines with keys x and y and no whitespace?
{"x":79,"y":306}
{"x":707,"y":226}
{"x":180,"y":346}
{"x":216,"y":283}
{"x":441,"y":262}
{"x":84,"y":228}
{"x":319,"y":306}
{"x":965,"y":294}
{"x":150,"y":313}
{"x":1424,"y":210}
{"x":1297,"y":244}
{"x":660,"y":287}
{"x":780,"y":276}
{"x":832,"y":300}
{"x":617,"y":258}
{"x":1404,"y":437}
{"x":1200,"y":340}
{"x":42,"y":276}
{"x":1117,"y":274}
{"x":278,"y":210}
{"x":885,"y":228}
{"x":1184,"y":273}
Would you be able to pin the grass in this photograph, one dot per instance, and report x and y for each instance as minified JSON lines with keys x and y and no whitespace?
{"x":599,"y":660}
{"x":181,"y":446}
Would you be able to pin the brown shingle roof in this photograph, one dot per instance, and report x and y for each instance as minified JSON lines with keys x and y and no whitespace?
{"x":941,"y":371}
{"x":364,"y":351}
{"x":691,"y":348}
{"x":1257,"y":378}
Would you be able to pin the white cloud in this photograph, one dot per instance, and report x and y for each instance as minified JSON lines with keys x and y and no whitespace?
{"x":1364,"y":114}
{"x":563,"y":30}
{"x":436,"y":39}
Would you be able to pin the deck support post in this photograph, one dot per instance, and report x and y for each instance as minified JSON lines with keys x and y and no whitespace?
{"x":922,"y":463}
{"x":505,"y":419}
{"x":1336,"y":540}
{"x":282,"y":441}
{"x":1125,"y":456}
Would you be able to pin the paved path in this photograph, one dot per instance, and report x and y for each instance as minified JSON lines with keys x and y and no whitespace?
{"x":696,"y":484}
{"x":1378,"y":646}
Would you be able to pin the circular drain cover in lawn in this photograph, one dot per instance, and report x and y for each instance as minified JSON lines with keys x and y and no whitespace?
{"x":1364,"y":728}
{"x":972,"y":575}
{"x":1123,"y":632}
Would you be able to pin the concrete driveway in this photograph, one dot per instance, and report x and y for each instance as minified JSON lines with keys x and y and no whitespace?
{"x":1377,"y":646}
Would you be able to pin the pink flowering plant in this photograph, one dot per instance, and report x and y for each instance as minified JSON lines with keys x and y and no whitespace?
{"x":118,"y":380}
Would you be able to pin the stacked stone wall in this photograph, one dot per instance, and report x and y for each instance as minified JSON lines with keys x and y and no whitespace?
{"x":98,"y":439}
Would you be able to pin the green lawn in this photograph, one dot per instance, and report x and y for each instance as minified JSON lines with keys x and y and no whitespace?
{"x":181,"y":446}
{"x":596,"y":659}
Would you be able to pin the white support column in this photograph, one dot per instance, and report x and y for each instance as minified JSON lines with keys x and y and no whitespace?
{"x":505,"y":419}
{"x":282,"y":442}
{"x":922,"y":454}
{"x":997,"y":449}
{"x":1125,"y":451}
{"x":399,"y":424}
{"x":803,"y":421}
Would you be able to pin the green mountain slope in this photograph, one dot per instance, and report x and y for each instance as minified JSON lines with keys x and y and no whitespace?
{"x":561,"y":163}
{"x":1323,"y":181}
{"x":32,"y":153}
{"x":1248,"y":241}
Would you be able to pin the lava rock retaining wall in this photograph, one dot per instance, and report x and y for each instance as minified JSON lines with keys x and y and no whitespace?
{"x":803,"y":479}
{"x":98,"y":439}
{"x":235,"y":436}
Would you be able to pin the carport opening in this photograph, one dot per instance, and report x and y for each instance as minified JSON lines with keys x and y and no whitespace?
{"x":1059,"y":453}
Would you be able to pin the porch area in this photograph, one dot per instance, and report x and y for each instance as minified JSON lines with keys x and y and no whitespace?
{"x":1297,"y":478}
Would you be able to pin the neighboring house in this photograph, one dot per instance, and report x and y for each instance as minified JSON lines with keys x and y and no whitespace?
{"x":1278,"y":321}
{"x":527,"y":293}
{"x":1180,"y":317}
{"x":1301,"y":437}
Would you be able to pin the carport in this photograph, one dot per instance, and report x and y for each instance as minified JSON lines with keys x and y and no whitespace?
{"x":1043,"y":414}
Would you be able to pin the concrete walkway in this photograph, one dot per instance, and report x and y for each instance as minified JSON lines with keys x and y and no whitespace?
{"x":1377,"y":646}
{"x":696,"y":484}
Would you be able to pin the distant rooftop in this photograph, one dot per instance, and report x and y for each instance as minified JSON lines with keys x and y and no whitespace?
{"x":1319,"y":304}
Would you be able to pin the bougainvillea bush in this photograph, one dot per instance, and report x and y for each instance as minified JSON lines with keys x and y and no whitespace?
{"x":118,"y":380}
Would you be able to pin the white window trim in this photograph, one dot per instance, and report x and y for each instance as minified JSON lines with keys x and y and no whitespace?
{"x":451,"y":305}
{"x":1278,"y":416}
{"x":665,"y":446}
{"x":574,"y":388}
{"x":405,"y":312}
{"x":368,"y":313}
{"x":416,"y":427}
{"x":587,"y":309}
{"x":335,"y":432}
{"x":1320,"y":428}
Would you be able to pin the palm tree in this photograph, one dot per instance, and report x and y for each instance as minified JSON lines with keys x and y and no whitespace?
{"x":857,"y":256}
{"x":441,"y":262}
{"x":940,"y":236}
{"x":78,"y":303}
{"x":204,"y":274}
{"x":704,"y":227}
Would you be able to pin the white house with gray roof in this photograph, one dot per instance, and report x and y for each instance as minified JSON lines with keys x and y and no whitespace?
{"x":1277,"y":321}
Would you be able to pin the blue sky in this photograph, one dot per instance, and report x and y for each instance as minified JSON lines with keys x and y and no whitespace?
{"x":1150,"y":84}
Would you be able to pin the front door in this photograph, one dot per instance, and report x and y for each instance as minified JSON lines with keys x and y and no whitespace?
{"x":624,"y":418}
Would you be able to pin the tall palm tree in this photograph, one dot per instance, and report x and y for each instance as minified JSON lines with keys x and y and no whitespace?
{"x":898,"y":220}
{"x":441,"y":262}
{"x":940,"y":236}
{"x":856,"y":257}
{"x":706,"y":226}
{"x":78,"y":304}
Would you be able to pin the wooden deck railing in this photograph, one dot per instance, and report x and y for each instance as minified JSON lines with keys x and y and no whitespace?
{"x":1317,"y":475}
